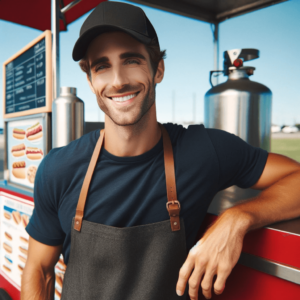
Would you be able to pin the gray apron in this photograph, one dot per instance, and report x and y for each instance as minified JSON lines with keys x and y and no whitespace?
{"x":130,"y":263}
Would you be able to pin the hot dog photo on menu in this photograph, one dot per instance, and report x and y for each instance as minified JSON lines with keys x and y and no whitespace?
{"x":18,"y":150}
{"x":34,"y":153}
{"x":16,"y":213}
{"x":19,"y":134}
{"x":26,"y":142}
{"x":34,"y":132}
{"x":18,"y":169}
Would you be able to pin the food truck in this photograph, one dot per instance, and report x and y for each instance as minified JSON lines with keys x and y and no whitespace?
{"x":269,"y":266}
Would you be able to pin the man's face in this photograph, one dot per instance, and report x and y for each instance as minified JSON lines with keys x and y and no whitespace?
{"x":121,"y":77}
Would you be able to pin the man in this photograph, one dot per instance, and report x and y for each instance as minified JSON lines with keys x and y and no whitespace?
{"x":120,"y":244}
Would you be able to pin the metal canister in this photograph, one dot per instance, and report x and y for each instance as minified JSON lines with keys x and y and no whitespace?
{"x":67,"y":117}
{"x":240,"y":106}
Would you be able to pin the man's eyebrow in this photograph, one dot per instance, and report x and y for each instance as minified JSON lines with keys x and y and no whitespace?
{"x":99,"y":61}
{"x":132,"y":54}
{"x":105,"y":59}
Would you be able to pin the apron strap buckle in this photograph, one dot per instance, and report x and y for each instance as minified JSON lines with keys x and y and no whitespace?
{"x":173,"y":208}
{"x":78,"y":220}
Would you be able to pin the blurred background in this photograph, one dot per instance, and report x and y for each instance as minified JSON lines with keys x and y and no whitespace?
{"x":189,"y":44}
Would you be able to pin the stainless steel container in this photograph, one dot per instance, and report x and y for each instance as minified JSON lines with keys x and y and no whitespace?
{"x":242,"y":107}
{"x":239,"y":105}
{"x":67,"y":117}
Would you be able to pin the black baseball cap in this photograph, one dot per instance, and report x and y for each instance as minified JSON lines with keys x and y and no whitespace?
{"x":112,"y":16}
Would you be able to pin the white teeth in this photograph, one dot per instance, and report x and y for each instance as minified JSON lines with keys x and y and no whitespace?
{"x":125,"y":98}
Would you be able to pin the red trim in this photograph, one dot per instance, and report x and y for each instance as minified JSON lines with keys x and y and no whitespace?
{"x":16,"y":194}
{"x":13,"y":292}
{"x":37,"y":13}
{"x":18,"y":200}
{"x":248,"y":284}
{"x":274,"y":245}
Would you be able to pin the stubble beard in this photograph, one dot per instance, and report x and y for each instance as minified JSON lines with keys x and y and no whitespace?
{"x":147,"y":103}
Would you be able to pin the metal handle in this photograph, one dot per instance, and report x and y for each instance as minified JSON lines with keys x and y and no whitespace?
{"x":211,"y":73}
{"x":273,"y":268}
{"x":249,"y":54}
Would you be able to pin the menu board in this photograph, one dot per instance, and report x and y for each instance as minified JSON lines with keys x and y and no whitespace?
{"x":26,"y":80}
{"x":15,"y":214}
{"x":25,"y":149}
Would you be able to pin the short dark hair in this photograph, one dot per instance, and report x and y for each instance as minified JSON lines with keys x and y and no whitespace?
{"x":153,"y":50}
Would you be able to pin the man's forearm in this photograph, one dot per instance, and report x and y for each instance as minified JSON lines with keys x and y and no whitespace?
{"x":219,"y":249}
{"x":281,"y":201}
{"x":37,"y":285}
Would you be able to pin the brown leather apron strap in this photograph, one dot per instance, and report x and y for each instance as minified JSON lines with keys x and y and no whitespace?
{"x":173,"y":205}
{"x":86,"y":183}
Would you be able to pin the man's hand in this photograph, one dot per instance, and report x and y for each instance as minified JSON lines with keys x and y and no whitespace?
{"x":220,"y":248}
{"x":215,"y":254}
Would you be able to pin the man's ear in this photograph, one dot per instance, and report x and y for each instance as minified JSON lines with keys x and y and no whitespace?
{"x":90,"y":84}
{"x":160,"y":72}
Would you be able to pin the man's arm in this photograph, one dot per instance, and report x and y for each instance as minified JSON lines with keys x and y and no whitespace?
{"x":279,"y":199}
{"x":219,"y":249}
{"x":38,"y":277}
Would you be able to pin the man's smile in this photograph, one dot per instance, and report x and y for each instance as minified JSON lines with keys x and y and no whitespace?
{"x":124,"y":99}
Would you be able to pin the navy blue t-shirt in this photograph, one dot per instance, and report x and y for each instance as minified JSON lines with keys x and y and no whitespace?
{"x":131,"y":191}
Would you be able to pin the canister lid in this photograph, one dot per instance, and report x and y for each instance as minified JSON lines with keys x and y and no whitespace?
{"x":65,"y":90}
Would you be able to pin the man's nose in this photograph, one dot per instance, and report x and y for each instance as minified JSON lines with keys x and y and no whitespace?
{"x":119,"y":78}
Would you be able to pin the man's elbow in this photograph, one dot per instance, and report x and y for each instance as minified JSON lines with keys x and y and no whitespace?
{"x":277,"y":167}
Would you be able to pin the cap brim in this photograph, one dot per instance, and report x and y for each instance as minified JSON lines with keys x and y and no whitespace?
{"x":85,"y":39}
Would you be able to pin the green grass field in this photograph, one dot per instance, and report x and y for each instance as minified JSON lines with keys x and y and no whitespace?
{"x":287,"y":147}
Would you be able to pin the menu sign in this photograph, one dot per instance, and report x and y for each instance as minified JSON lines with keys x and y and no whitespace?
{"x":26,"y":81}
{"x":15,"y":214}
{"x":25,"y":149}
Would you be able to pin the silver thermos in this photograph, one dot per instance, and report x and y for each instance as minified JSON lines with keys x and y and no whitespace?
{"x":240,"y":106}
{"x":67,"y":117}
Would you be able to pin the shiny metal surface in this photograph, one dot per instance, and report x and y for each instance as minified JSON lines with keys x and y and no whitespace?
{"x":234,"y":195}
{"x":229,"y":197}
{"x":215,"y":29}
{"x":67,"y":117}
{"x":241,"y":107}
{"x":55,"y":13}
{"x":69,"y":6}
{"x":288,"y":226}
{"x":271,"y":267}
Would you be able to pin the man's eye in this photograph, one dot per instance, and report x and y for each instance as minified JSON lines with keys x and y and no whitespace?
{"x":132,"y":61}
{"x":100,"y":68}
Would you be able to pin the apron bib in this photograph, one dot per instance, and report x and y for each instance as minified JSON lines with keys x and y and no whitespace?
{"x":129,"y":263}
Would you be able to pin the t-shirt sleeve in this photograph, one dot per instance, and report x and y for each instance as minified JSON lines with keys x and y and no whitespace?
{"x":239,"y":163}
{"x":44,"y":225}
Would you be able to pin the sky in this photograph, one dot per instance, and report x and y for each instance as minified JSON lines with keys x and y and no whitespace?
{"x":275,"y":31}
